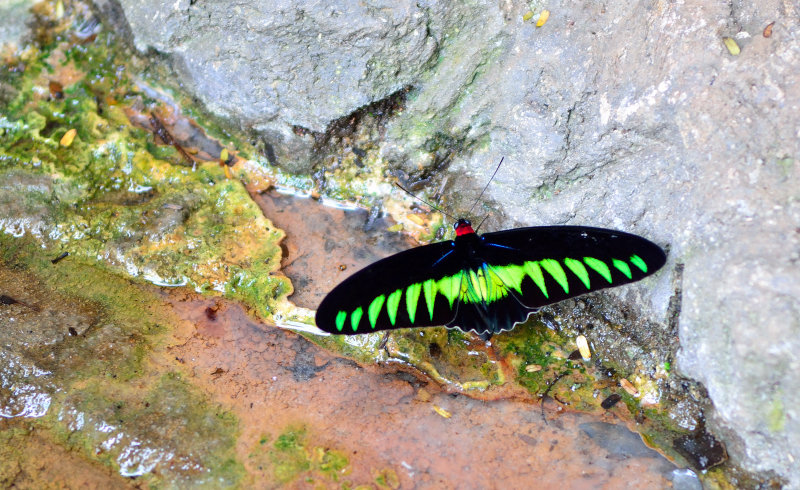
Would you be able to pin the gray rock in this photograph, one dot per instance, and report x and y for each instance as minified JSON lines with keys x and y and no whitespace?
{"x":15,"y":14}
{"x":277,"y":66}
{"x":632,"y":116}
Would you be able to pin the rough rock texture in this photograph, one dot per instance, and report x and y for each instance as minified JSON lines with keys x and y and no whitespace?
{"x":620,"y":114}
{"x":266,"y":64}
{"x":17,"y":14}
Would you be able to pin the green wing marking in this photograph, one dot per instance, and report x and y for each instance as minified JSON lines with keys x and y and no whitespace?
{"x":486,"y":284}
{"x":497,"y":289}
{"x":510,"y":275}
{"x":450,"y":286}
{"x":535,"y":273}
{"x":412,"y":298}
{"x":638,"y":262}
{"x":429,"y":288}
{"x":474,"y":291}
{"x":375,"y":309}
{"x":392,"y":303}
{"x":622,"y":267}
{"x":489,"y":283}
{"x":577,"y":268}
{"x":356,"y":317}
{"x":599,"y":266}
{"x":340,"y":318}
{"x":555,"y":270}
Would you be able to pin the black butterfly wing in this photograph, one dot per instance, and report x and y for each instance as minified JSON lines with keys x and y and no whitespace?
{"x":545,"y":265}
{"x":396,"y":292}
{"x":486,"y":284}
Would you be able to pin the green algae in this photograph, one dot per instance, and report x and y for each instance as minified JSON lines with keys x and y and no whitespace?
{"x":115,"y":198}
{"x":387,"y":478}
{"x":29,"y":458}
{"x":292,"y":458}
{"x":776,"y":414}
{"x":167,"y":425}
{"x":11,"y":440}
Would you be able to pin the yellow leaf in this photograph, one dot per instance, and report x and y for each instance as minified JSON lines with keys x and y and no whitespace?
{"x":733,"y":48}
{"x":66,"y":140}
{"x":441,"y":411}
{"x":416,"y":219}
{"x":628,"y":386}
{"x":583,"y":346}
{"x":543,"y":18}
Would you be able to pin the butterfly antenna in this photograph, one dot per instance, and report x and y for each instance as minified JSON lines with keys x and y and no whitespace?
{"x":437,"y":208}
{"x":481,"y":223}
{"x":486,"y":186}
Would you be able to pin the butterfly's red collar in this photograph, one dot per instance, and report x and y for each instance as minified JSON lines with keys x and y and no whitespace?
{"x":463,"y":227}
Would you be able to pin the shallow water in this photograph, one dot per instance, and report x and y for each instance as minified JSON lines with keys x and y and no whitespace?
{"x":388,"y":420}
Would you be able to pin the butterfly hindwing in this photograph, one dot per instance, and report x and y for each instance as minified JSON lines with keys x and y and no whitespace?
{"x":488,"y":302}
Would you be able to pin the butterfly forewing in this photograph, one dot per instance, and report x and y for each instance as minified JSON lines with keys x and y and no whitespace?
{"x":546,"y":265}
{"x":396,"y":292}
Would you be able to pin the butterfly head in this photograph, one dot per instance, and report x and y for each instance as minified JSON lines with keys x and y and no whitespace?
{"x":463,"y":227}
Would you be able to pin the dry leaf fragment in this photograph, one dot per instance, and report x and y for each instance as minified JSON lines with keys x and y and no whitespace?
{"x":733,"y":48}
{"x":583,"y":346}
{"x":543,"y":18}
{"x":416,"y":219}
{"x":66,"y":140}
{"x":441,"y":411}
{"x":628,"y":386}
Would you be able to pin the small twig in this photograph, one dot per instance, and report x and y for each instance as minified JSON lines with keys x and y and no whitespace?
{"x":547,"y":391}
{"x":160,"y":130}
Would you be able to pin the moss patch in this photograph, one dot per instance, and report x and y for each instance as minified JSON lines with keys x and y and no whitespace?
{"x":115,"y":198}
{"x":292,"y":458}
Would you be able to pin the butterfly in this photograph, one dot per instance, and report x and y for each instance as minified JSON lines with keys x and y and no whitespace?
{"x":485,"y":283}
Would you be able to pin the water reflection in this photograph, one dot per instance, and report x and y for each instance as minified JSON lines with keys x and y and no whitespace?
{"x":20,"y":392}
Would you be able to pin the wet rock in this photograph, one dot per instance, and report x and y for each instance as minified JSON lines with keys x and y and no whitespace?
{"x":620,"y":441}
{"x":31,"y":321}
{"x":28,"y":214}
{"x":686,"y":479}
{"x":610,"y":401}
{"x":702,"y":450}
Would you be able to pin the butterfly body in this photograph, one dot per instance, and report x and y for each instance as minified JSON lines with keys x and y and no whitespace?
{"x":485,"y":283}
